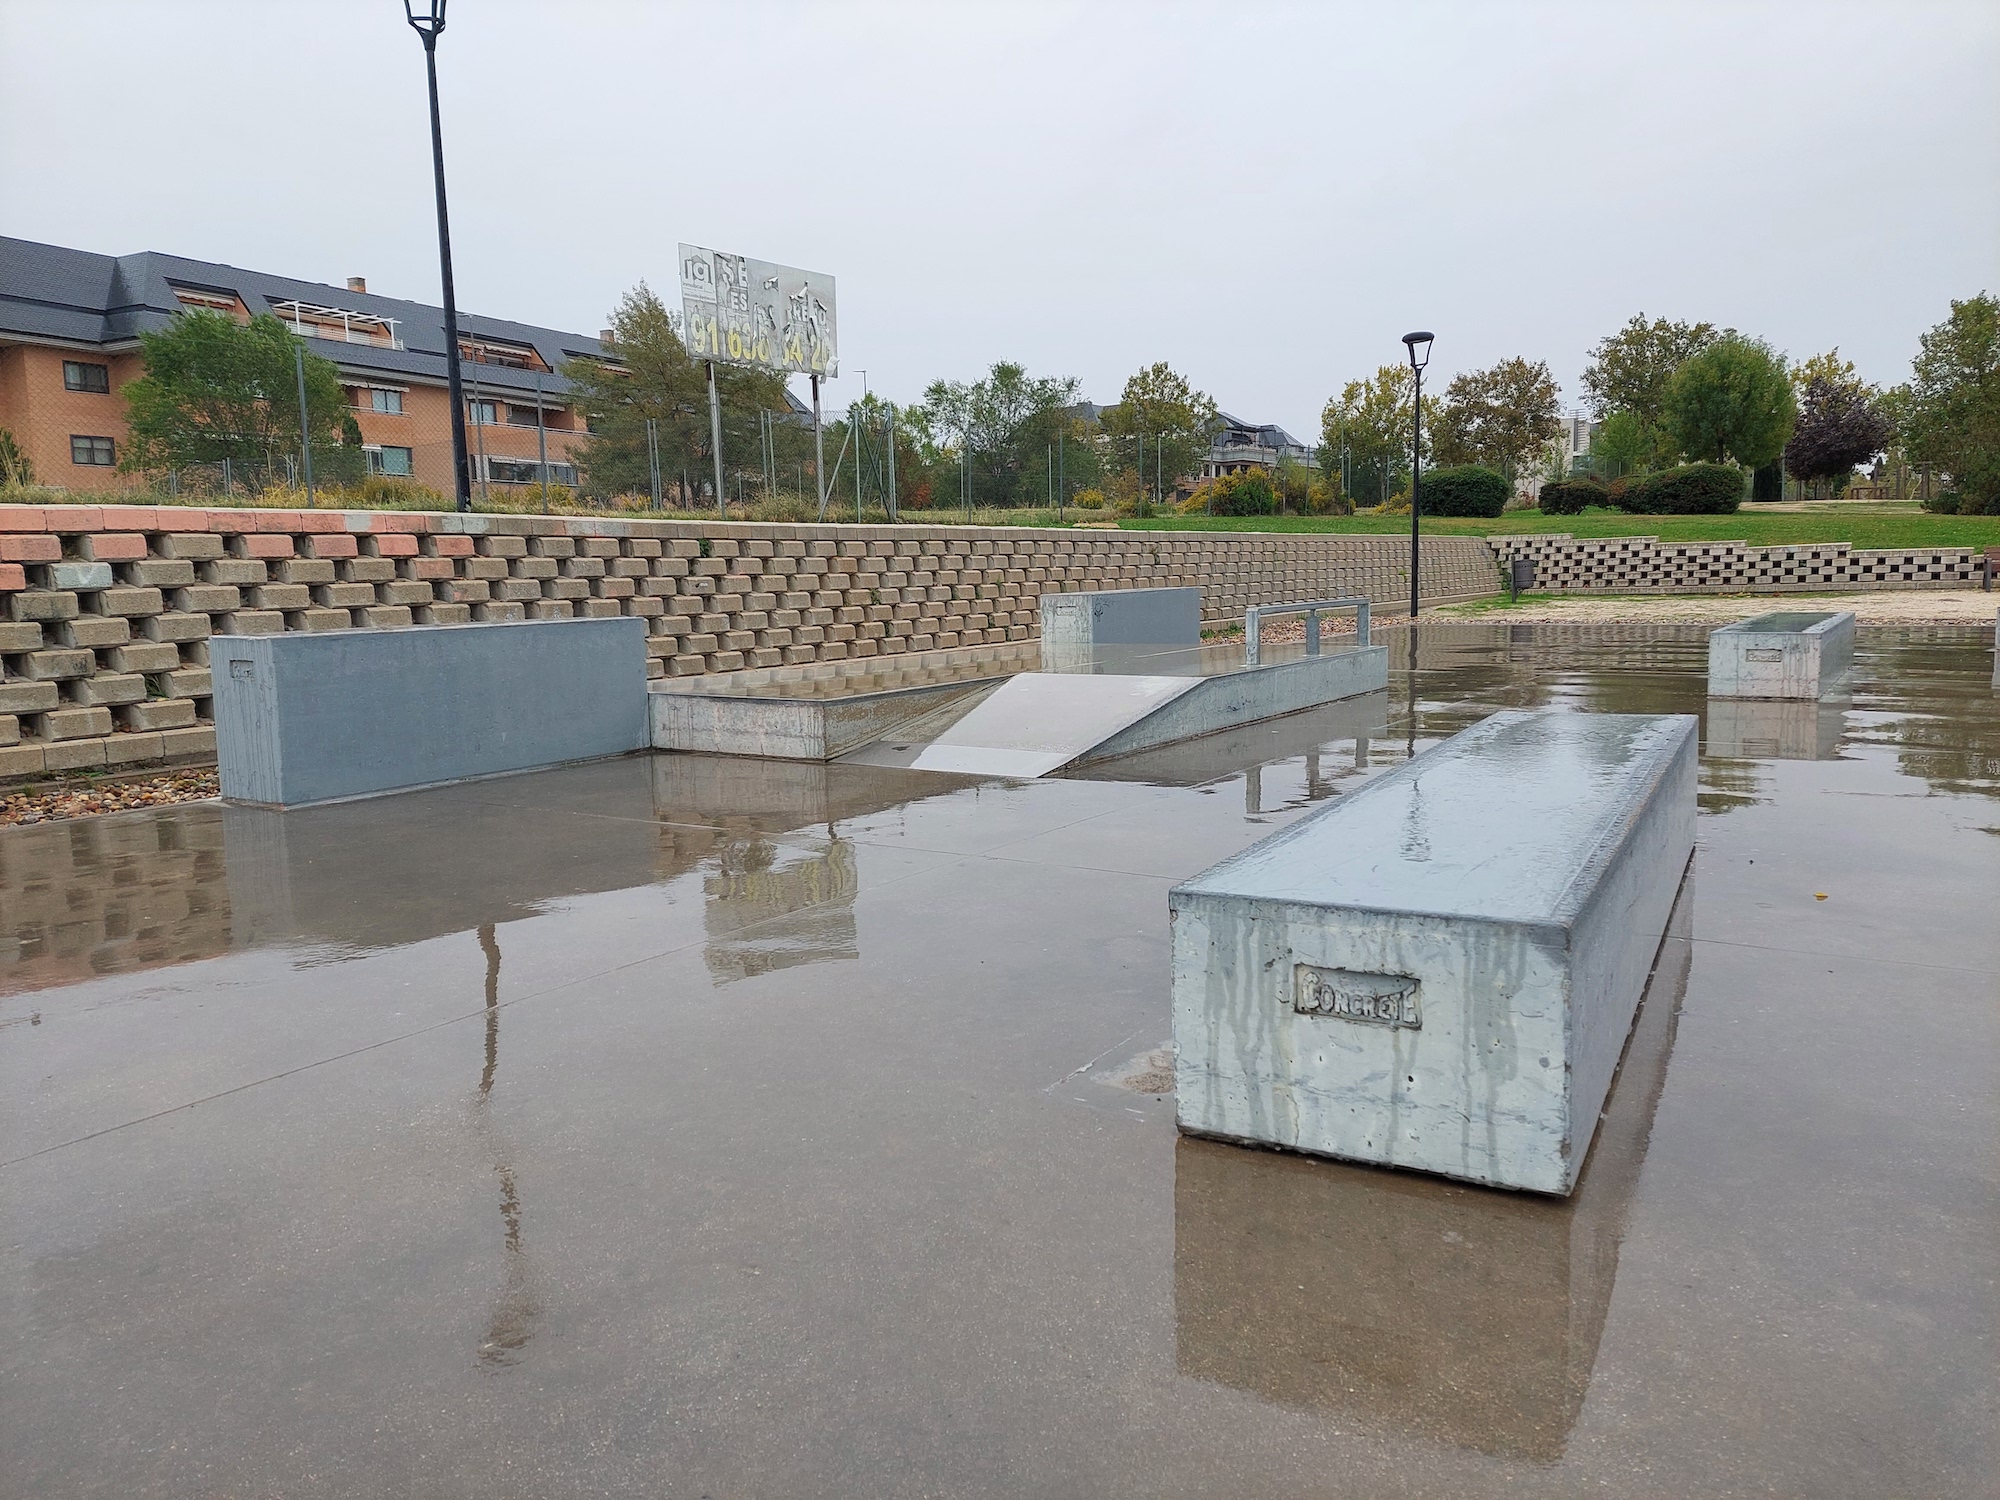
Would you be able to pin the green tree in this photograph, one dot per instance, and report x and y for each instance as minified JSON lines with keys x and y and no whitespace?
{"x":1368,"y":426}
{"x":1951,"y":416}
{"x":1733,"y":401}
{"x":216,"y":389}
{"x":649,"y":374}
{"x":1000,"y":427}
{"x":1624,"y":443}
{"x":1629,"y":370}
{"x":1173,"y":422}
{"x":1501,"y":418}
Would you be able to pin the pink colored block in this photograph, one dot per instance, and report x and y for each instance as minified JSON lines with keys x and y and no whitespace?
{"x":392,"y":546}
{"x":72,"y":518}
{"x":399,"y":520}
{"x":34,"y":547}
{"x":13,"y":576}
{"x":111,"y":546}
{"x":449,"y":546}
{"x":231,"y":522}
{"x":280,"y":520}
{"x":428,"y":567}
{"x":129,"y":517}
{"x":23,"y":518}
{"x":261,"y":544}
{"x":338,"y":544}
{"x":314,"y":522}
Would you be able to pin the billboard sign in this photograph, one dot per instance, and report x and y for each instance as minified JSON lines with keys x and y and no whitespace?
{"x":755,"y":313}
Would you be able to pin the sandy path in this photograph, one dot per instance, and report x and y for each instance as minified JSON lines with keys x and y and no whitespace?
{"x":1900,"y":607}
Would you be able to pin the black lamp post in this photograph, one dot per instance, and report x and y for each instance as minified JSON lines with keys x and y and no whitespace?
{"x":426,"y":18}
{"x":1420,"y":355}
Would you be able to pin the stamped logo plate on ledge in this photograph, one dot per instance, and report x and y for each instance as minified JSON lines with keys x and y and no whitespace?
{"x":1378,"y":999}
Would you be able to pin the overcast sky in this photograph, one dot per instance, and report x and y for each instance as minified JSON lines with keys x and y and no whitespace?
{"x":1266,"y":195}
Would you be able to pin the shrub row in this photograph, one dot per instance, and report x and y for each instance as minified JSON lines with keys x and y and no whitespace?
{"x":1690,"y":490}
{"x":1468,"y":490}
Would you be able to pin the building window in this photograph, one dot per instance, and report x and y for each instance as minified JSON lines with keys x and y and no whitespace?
{"x":526,"y":471}
{"x":95,"y":452}
{"x":481,"y":413}
{"x":391,"y":461}
{"x":390,"y":403}
{"x":78,"y":376}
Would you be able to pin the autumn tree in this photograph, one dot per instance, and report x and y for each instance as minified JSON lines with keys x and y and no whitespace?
{"x":1500,"y":417}
{"x":1161,"y":413}
{"x":1731,"y":402}
{"x":1365,"y":435}
{"x":648,"y":374}
{"x":1841,"y":422}
{"x":216,"y":389}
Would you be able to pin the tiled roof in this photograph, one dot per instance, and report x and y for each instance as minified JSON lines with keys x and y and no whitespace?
{"x":52,"y":292}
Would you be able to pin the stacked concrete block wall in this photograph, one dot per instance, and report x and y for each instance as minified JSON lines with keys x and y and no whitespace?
{"x":1646,"y":565}
{"x":106,"y":611}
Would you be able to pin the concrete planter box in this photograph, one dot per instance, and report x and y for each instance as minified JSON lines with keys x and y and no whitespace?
{"x":1439,"y":970}
{"x":1789,"y":654}
{"x":1075,"y":625}
{"x":305,"y":718}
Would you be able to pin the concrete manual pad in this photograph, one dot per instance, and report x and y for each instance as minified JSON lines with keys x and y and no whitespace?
{"x":1786,"y":654}
{"x":303,"y":718}
{"x":1439,"y":971}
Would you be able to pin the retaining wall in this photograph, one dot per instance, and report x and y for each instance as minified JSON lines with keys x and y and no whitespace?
{"x":106,"y":611}
{"x":1646,"y":565}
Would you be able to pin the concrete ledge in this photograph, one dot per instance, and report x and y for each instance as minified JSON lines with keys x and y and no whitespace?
{"x":1788,"y":654}
{"x":793,"y":728}
{"x":306,"y":718}
{"x":1237,"y":698}
{"x":1439,"y":970}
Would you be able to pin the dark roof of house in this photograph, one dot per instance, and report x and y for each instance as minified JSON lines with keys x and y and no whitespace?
{"x":77,"y":297}
{"x":1238,"y":433}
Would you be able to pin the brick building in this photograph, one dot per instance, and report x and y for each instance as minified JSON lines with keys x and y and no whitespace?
{"x":69,"y":327}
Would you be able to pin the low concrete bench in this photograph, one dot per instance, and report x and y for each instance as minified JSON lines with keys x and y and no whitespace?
{"x":303,"y":718}
{"x":1438,"y":971}
{"x":1079,"y":629}
{"x":1789,"y":654}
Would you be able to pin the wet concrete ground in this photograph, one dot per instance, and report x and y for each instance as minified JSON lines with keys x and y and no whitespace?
{"x":676,"y":1126}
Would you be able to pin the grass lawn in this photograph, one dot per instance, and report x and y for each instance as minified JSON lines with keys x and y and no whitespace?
{"x":1864,"y":526}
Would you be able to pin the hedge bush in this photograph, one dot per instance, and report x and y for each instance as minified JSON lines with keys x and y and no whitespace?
{"x":1467,"y":490}
{"x":1247,"y":492}
{"x":1568,"y":497}
{"x":1690,"y":490}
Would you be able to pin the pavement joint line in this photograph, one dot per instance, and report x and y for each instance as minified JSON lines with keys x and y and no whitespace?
{"x":1843,"y":958}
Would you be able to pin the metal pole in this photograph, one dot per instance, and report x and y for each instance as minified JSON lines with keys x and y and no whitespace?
{"x":479,"y":431}
{"x":1416,"y":488}
{"x":854,"y":423}
{"x":1159,"y":467}
{"x":542,"y":441}
{"x":1061,"y":483}
{"x":889,"y":431}
{"x":305,"y":427}
{"x":819,"y":456}
{"x":715,"y":439}
{"x":461,"y":479}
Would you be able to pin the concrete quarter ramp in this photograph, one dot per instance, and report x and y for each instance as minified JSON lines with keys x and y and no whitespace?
{"x":1040,"y":721}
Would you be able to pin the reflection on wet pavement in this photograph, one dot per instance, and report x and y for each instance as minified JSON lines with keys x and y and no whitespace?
{"x":683,"y":1125}
{"x":1394,"y":1298}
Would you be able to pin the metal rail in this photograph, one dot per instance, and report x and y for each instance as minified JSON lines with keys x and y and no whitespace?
{"x":1253,"y":623}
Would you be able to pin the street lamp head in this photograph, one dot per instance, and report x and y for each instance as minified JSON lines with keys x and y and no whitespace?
{"x":1420,"y":343}
{"x":426,"y":16}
